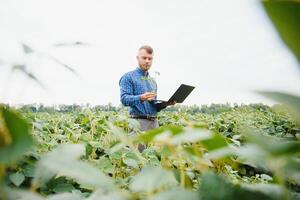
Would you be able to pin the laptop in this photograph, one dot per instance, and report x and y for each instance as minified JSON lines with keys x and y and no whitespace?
{"x":179,"y":96}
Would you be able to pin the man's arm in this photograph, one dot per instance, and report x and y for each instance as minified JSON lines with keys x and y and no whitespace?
{"x":128,"y":98}
{"x":126,"y":92}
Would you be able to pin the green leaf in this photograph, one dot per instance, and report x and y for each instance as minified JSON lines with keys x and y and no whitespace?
{"x":166,"y":151}
{"x":65,"y":196}
{"x":18,"y":194}
{"x":187,"y":180}
{"x":115,"y":150}
{"x":228,"y":191}
{"x":217,"y":141}
{"x":64,"y":160}
{"x":17,"y":178}
{"x":63,"y":187}
{"x":285,"y":16}
{"x":51,"y":184}
{"x":253,"y":155}
{"x":29,"y":170}
{"x":221,"y":153}
{"x":292,"y":170}
{"x":271,"y":190}
{"x":176,"y":193}
{"x":151,"y":178}
{"x":191,"y":136}
{"x":105,"y":165}
{"x":18,"y":130}
{"x":151,"y":157}
{"x":273,"y":145}
{"x":131,"y":159}
{"x":150,"y":135}
{"x":118,"y":132}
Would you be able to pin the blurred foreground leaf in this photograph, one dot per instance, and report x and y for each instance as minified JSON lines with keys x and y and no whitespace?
{"x":17,"y":129}
{"x":64,"y":161}
{"x":218,"y":188}
{"x":78,"y":43}
{"x":285,"y":15}
{"x":151,"y":178}
{"x":29,"y":74}
{"x":62,"y":64}
{"x":176,"y":193}
{"x":27,"y":49}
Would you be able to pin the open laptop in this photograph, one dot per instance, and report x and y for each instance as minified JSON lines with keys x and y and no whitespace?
{"x":179,"y":96}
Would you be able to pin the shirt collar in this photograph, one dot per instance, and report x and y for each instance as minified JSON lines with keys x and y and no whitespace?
{"x":142,"y":72}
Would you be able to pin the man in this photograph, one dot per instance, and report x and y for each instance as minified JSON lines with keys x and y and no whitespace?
{"x":138,"y":91}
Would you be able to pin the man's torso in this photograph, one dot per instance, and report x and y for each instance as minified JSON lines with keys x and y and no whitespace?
{"x":140,"y":84}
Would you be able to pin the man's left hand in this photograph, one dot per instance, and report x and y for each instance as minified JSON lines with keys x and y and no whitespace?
{"x":171,"y":103}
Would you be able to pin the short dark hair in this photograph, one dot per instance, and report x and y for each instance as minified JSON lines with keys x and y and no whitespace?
{"x":147,"y":48}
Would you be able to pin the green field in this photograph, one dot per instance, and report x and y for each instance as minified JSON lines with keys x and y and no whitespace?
{"x":242,"y":152}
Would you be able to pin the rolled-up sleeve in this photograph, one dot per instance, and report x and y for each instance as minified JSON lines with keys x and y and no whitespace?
{"x":126,"y":92}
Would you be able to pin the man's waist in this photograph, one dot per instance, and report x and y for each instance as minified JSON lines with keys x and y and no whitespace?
{"x":149,"y":117}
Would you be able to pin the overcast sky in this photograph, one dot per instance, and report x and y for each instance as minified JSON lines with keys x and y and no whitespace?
{"x":227,"y":49}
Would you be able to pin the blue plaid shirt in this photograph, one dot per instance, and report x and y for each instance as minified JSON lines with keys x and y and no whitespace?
{"x":132,"y":85}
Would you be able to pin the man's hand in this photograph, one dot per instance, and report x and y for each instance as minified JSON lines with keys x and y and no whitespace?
{"x":148,"y":96}
{"x":171,"y":103}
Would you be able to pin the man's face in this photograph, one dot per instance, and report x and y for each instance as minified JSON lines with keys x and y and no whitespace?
{"x":144,"y":59}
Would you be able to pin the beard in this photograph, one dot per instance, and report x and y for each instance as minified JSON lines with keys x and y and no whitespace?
{"x":145,"y":67}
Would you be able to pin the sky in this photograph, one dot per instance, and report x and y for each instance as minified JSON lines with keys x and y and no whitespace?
{"x":226,"y":49}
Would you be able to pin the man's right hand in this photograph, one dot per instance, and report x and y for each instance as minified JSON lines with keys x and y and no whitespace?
{"x":147,"y":96}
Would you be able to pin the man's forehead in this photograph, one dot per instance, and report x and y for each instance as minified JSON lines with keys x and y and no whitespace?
{"x":143,"y":52}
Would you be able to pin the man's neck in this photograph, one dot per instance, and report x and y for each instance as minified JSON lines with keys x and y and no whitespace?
{"x":145,"y":71}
